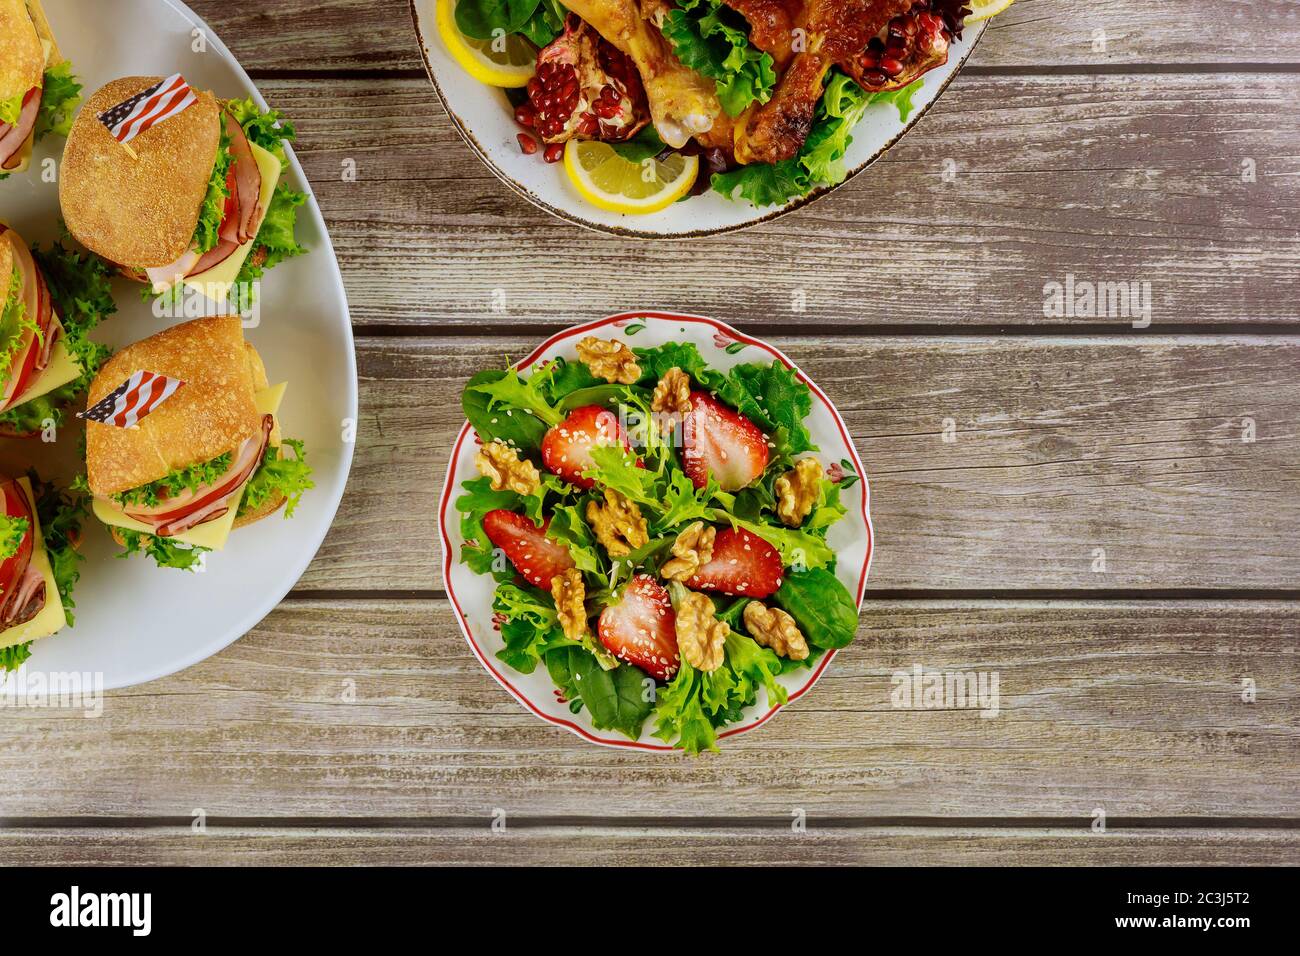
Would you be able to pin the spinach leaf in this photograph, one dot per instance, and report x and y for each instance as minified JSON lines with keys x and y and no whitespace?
{"x":821,"y":606}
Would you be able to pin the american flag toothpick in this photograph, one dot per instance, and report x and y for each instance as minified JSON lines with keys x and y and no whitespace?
{"x":131,"y":401}
{"x":148,"y":108}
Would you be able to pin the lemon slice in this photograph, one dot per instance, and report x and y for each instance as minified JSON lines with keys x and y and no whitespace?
{"x":509,"y":60}
{"x":983,"y":9}
{"x":611,"y":182}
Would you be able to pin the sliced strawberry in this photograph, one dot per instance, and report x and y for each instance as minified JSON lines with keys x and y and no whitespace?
{"x":719,"y":441}
{"x":743,"y":564}
{"x":642,"y":628}
{"x":566,"y":449}
{"x":534,"y":555}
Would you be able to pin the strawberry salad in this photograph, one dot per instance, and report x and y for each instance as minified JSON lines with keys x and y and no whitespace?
{"x":656,"y":529}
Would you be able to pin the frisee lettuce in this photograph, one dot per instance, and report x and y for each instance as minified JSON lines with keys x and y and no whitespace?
{"x":12,"y":532}
{"x":15,"y":323}
{"x":207,"y":233}
{"x":712,"y":39}
{"x":59,"y":99}
{"x":278,"y":476}
{"x":81,"y":292}
{"x":820,"y":161}
{"x":11,"y":110}
{"x":165,"y":552}
{"x":13,"y":656}
{"x":189,"y":478}
{"x":61,"y":514}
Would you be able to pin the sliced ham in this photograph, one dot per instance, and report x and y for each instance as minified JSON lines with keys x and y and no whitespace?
{"x":46,"y":322}
{"x":248,"y":179}
{"x":211,"y":501}
{"x":229,"y":230}
{"x":13,"y":137}
{"x":218,"y":254}
{"x":164,"y":277}
{"x":26,"y":600}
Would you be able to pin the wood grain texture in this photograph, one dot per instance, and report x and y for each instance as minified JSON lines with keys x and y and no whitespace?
{"x":377,"y":34}
{"x":1062,"y":446}
{"x":1133,"y":707}
{"x":676,"y":846}
{"x":1128,"y":178}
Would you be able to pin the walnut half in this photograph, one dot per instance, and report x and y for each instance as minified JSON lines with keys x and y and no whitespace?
{"x":773,"y":628}
{"x":501,"y":464}
{"x":701,"y":637}
{"x":609,"y":359}
{"x":796,"y":491}
{"x":570,"y":594}
{"x":618,"y":524}
{"x":692,"y":549}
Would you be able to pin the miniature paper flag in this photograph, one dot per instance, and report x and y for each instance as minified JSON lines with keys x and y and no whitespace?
{"x":131,"y":401}
{"x":148,"y":108}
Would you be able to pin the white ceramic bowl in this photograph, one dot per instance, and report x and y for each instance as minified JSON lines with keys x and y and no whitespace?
{"x":135,"y":621}
{"x":722,"y":347}
{"x":486,"y":121}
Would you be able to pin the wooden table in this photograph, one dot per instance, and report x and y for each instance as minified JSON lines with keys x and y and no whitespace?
{"x":1114,"y":143}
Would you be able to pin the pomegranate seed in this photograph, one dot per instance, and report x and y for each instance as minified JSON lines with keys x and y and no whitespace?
{"x":875,"y":78}
{"x":891,"y":66}
{"x":869,"y":60}
{"x":534,"y":88}
{"x":554,"y":153}
{"x":527,"y":144}
{"x":524,"y":115}
{"x":607,"y":110}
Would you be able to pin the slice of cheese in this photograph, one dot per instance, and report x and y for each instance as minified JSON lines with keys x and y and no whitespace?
{"x":51,"y":618}
{"x":210,"y":534}
{"x":24,"y":156}
{"x":217,"y":282}
{"x":61,"y":370}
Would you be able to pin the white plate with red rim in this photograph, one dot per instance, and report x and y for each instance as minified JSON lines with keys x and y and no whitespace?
{"x":722,"y":347}
{"x":485,"y":119}
{"x":136,"y":622}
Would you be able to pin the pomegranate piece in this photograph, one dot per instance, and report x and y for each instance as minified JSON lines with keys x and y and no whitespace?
{"x":585,"y":87}
{"x":910,"y":45}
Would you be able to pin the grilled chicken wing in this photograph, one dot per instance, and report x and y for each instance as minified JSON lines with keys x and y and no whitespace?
{"x":833,"y":31}
{"x":682,"y":102}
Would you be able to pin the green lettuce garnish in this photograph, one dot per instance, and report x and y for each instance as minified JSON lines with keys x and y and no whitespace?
{"x":213,"y":213}
{"x":13,"y":656}
{"x":81,"y":292}
{"x":59,"y":98}
{"x":820,"y":161}
{"x":712,"y":39}
{"x":165,"y":552}
{"x":61,"y":514}
{"x":12,"y":532}
{"x":15,"y":323}
{"x":11,"y":110}
{"x":189,"y":478}
{"x":277,"y":476}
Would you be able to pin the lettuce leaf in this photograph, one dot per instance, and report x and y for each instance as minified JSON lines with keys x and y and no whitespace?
{"x":530,"y":626}
{"x":170,"y":485}
{"x":13,"y":656}
{"x":712,"y":39}
{"x":61,"y":515}
{"x":213,"y":211}
{"x":59,"y":98}
{"x":15,"y":323}
{"x":165,"y":552}
{"x":12,"y":532}
{"x":80,"y":288}
{"x":821,"y":159}
{"x":269,"y":129}
{"x":11,"y":110}
{"x":278,"y":475}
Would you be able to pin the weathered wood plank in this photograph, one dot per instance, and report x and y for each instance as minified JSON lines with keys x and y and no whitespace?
{"x":1135,"y":708}
{"x":1133,"y":178}
{"x":371,"y":35}
{"x":1062,"y":447}
{"x":676,"y":846}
